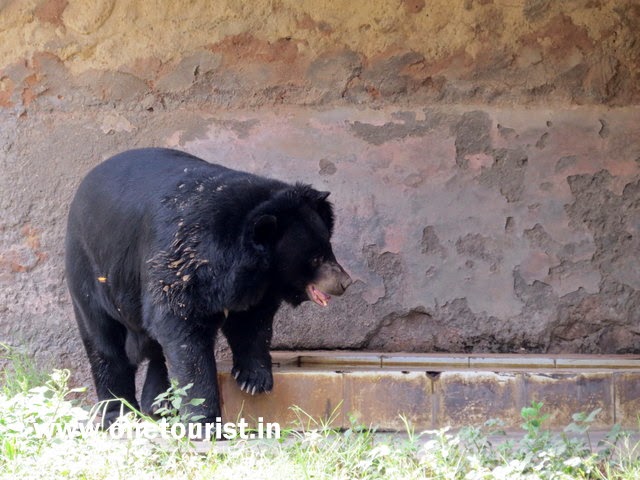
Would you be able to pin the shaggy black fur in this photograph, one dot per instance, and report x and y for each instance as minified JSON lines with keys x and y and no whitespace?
{"x":163,"y":249}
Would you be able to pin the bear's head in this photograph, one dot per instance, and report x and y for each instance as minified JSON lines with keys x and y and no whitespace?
{"x":296,"y":228}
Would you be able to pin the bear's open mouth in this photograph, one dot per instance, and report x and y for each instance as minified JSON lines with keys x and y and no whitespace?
{"x":318,"y":296}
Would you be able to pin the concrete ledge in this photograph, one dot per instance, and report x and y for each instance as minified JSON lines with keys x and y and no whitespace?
{"x":433,"y":391}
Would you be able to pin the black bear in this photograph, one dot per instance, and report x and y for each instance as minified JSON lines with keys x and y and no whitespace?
{"x":163,"y":249}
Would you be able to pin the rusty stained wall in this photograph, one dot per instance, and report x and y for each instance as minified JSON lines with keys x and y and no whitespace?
{"x":484,"y":156}
{"x":229,"y":54}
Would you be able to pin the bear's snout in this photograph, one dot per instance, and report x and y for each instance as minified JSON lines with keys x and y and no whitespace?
{"x":343,"y":281}
{"x":332,"y":279}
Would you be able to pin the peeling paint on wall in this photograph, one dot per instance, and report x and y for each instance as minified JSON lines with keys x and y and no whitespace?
{"x":484,"y":159}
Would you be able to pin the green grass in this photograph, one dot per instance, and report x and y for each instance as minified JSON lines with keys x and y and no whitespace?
{"x":313,"y":450}
{"x":20,"y":372}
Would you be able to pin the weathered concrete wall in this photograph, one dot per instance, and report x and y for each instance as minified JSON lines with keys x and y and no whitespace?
{"x":253,"y":53}
{"x":484,"y":158}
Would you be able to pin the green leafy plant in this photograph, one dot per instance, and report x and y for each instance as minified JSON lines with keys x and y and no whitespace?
{"x":533,"y":421}
{"x":40,"y":412}
{"x":169,"y":403}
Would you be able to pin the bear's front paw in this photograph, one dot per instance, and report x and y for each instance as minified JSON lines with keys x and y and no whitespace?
{"x":253,"y":378}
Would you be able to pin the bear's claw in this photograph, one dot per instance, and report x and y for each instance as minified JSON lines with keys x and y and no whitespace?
{"x":253,"y":380}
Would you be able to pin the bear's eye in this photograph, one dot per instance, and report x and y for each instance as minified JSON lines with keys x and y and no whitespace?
{"x":317,"y":261}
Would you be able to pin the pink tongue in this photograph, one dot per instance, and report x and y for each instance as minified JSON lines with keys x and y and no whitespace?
{"x":319,"y":297}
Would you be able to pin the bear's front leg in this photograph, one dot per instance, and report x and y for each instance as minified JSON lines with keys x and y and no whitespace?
{"x":249,"y":336}
{"x":188,"y":349}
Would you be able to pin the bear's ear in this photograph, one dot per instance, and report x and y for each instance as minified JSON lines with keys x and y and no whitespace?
{"x":324,"y":209}
{"x":265,"y":229}
{"x":322,"y":196}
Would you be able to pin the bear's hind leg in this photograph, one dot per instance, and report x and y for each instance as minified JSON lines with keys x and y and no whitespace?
{"x":113,"y":374}
{"x":157,"y":379}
